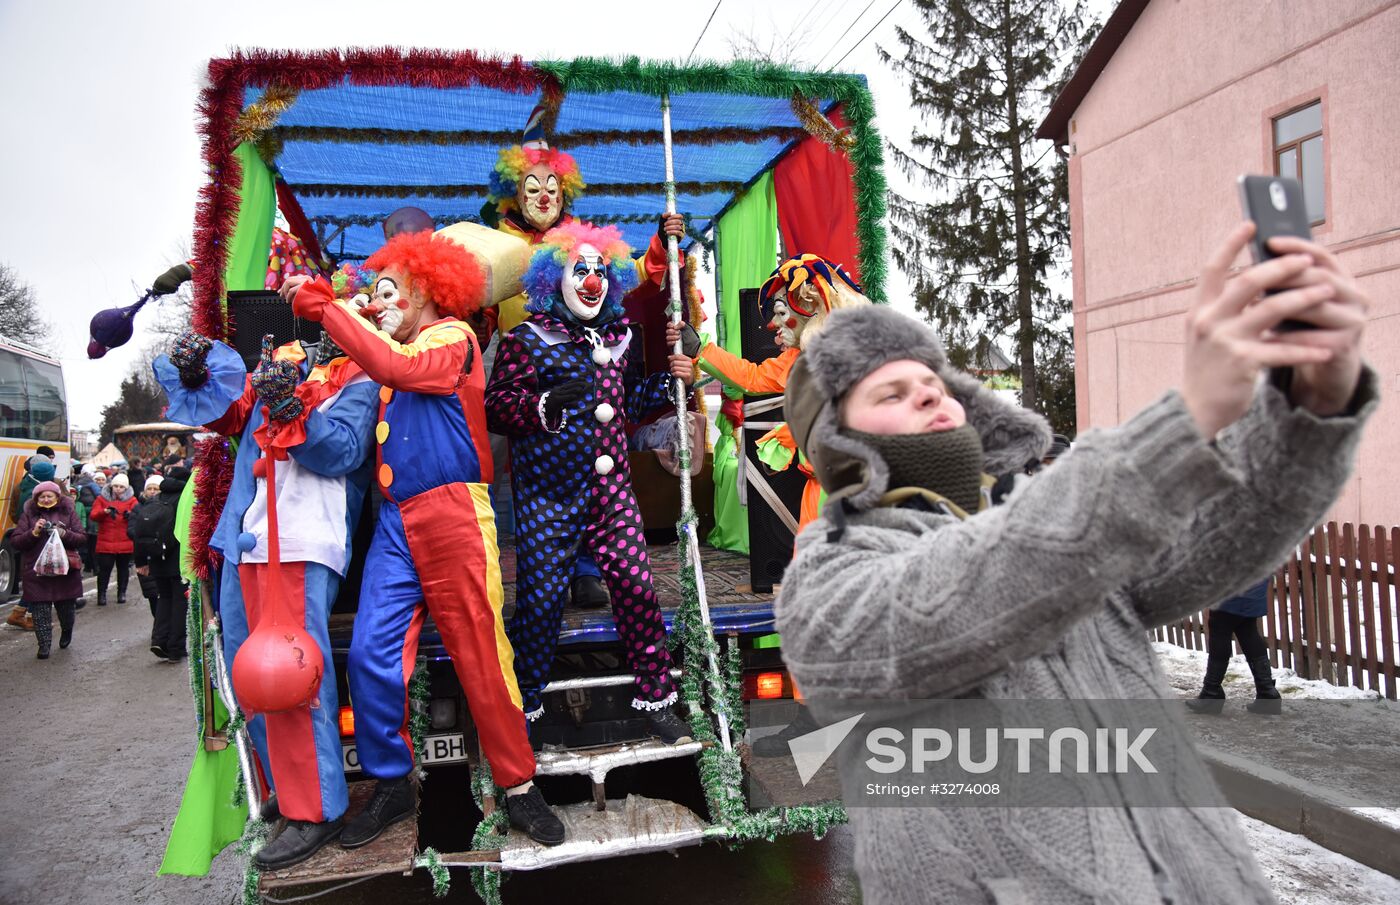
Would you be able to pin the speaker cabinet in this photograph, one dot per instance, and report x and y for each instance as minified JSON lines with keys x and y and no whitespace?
{"x":255,"y":312}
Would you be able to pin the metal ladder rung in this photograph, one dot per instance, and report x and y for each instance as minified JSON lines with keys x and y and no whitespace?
{"x":596,"y":682}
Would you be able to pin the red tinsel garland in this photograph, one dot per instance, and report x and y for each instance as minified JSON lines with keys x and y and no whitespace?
{"x":211,"y":485}
{"x":221,"y":102}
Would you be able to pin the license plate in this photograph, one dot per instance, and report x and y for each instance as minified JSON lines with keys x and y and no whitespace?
{"x":440,"y":749}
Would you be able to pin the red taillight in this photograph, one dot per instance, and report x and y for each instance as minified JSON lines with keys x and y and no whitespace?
{"x":347,"y":721}
{"x":766,"y":686}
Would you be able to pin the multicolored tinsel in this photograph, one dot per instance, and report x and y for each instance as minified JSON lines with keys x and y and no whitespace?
{"x":481,"y":190}
{"x":580,"y":138}
{"x":213,"y":477}
{"x":819,"y":126}
{"x":263,"y":113}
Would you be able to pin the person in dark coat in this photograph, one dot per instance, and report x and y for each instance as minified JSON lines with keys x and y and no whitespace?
{"x":157,"y":556}
{"x":1238,"y":617}
{"x":48,"y":509}
{"x":149,"y":492}
{"x":86,"y":489}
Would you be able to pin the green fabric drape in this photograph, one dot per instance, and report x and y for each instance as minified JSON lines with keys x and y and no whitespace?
{"x":208,"y":820}
{"x":748,"y":251}
{"x":252,"y":236}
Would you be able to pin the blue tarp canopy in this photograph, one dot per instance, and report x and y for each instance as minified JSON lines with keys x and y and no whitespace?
{"x":353,"y":154}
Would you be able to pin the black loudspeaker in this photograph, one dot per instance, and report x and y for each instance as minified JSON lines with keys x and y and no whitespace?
{"x":770,"y":541}
{"x":254,"y":312}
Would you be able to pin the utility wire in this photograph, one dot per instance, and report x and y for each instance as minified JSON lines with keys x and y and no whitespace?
{"x":702,"y":31}
{"x":866,"y":35}
{"x":844,"y":33}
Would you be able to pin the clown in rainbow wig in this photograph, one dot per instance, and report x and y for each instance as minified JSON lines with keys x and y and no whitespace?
{"x":802,"y":291}
{"x":562,"y":391}
{"x":434,"y":548}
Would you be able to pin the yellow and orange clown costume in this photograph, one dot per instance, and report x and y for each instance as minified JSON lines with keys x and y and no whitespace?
{"x":803,"y":290}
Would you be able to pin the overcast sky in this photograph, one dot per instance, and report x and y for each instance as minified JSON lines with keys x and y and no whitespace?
{"x":101,"y":169}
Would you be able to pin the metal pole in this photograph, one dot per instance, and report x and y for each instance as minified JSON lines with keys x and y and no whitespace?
{"x":245,"y":760}
{"x":673,"y":264}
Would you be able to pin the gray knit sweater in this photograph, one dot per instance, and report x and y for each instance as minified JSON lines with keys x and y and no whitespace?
{"x":1050,"y":596}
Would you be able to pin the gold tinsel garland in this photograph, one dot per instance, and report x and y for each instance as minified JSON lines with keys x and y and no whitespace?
{"x":818,"y":125}
{"x":263,"y":113}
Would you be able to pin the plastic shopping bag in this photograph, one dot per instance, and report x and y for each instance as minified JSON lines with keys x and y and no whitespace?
{"x":53,"y":559}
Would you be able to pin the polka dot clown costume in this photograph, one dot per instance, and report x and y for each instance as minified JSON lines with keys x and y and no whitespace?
{"x":562,"y":389}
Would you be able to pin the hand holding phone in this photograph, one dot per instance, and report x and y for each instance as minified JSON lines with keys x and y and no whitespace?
{"x":1276,"y":205}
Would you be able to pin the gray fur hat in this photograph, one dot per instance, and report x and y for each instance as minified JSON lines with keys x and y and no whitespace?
{"x":856,"y":341}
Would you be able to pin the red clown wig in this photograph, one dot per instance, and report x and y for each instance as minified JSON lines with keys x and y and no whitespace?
{"x":438,"y":269}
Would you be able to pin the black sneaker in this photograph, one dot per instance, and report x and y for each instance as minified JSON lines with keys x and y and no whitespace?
{"x":299,"y":840}
{"x":588,"y":593}
{"x":667,"y":725}
{"x":392,"y":801}
{"x":776,"y":745}
{"x":532,"y":815}
{"x":159,"y":651}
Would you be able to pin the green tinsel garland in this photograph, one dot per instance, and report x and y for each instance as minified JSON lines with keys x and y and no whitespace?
{"x":487,"y":881}
{"x":254,"y":837}
{"x":734,"y":681}
{"x":592,"y":75}
{"x":194,"y":628}
{"x":418,"y":719}
{"x":442,"y":878}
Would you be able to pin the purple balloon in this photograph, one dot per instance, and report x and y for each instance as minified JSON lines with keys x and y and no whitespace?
{"x":96,"y":349}
{"x":112,"y":328}
{"x":407,"y":220}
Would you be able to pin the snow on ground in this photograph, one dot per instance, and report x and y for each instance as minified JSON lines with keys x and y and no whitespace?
{"x":1184,"y":669}
{"x":1304,"y":873}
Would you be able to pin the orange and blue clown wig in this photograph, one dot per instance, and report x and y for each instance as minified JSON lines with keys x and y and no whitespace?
{"x":511,"y":166}
{"x":826,"y":278}
{"x":559,"y":250}
{"x":437,"y":268}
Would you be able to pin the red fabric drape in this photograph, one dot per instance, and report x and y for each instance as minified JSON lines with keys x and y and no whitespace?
{"x":296,"y":219}
{"x":816,"y":202}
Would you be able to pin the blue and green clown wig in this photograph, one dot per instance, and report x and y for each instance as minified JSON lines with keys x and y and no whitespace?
{"x":558,"y":251}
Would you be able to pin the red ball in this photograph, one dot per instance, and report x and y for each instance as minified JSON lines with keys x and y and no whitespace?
{"x":260,"y":468}
{"x":279,"y":667}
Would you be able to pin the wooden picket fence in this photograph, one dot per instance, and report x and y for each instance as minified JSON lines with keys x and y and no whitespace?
{"x":1332,"y":609}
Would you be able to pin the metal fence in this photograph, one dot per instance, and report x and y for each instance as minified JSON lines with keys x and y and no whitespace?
{"x":1332,"y":609}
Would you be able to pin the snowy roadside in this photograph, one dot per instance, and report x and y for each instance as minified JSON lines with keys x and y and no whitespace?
{"x":1184,"y":669}
{"x":1302,"y":872}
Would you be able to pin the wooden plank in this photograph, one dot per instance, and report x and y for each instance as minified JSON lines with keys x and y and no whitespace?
{"x":1353,"y":609}
{"x":391,"y":853}
{"x":1366,"y":600}
{"x":1387,"y":560}
{"x":1338,"y":626}
{"x":1295,"y":617}
{"x":1273,"y":637}
{"x":1312,"y":652}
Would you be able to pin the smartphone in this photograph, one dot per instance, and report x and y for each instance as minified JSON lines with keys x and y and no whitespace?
{"x":1275,"y":204}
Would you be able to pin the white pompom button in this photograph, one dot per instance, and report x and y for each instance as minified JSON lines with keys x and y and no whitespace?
{"x":601,"y":356}
{"x":604,"y":413}
{"x":604,"y":465}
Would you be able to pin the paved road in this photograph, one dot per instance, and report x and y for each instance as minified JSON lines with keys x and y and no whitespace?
{"x":97,"y":741}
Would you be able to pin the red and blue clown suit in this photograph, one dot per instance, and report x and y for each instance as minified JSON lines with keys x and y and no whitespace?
{"x":320,"y":490}
{"x":571,"y":480}
{"x":434,"y":543}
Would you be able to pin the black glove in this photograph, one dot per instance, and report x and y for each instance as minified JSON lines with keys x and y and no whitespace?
{"x":562,"y":396}
{"x":187,"y":355}
{"x":275,"y":382}
{"x":172,"y":279}
{"x":690,"y":341}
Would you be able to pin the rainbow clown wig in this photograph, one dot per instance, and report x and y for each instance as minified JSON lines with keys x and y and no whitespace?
{"x":511,"y":165}
{"x":558,"y":251}
{"x":437,"y":269}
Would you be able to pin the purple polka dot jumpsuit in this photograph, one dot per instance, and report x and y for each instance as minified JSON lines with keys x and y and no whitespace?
{"x":573,"y":491}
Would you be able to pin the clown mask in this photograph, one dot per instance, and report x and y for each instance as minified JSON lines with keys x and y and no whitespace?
{"x":585,"y":284}
{"x":538,"y":197}
{"x":786,"y":323}
{"x":390,"y":305}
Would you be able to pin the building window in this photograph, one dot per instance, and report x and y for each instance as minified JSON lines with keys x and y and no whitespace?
{"x":1298,"y":153}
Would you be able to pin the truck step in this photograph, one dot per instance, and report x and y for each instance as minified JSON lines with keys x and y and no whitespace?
{"x":596,"y":762}
{"x":596,"y":682}
{"x":629,"y":826}
{"x":391,"y":853}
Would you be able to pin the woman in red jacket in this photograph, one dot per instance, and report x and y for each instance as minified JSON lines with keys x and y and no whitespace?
{"x":110,"y":512}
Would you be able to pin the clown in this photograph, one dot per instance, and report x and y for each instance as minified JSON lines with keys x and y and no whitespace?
{"x":320,"y":429}
{"x":434,"y":548}
{"x":562,"y":392}
{"x":803,"y":290}
{"x":530,"y":191}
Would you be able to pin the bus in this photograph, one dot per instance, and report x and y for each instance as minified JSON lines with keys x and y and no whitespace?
{"x":33,"y":413}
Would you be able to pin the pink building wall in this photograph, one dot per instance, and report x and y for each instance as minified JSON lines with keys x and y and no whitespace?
{"x":1182,"y":108}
